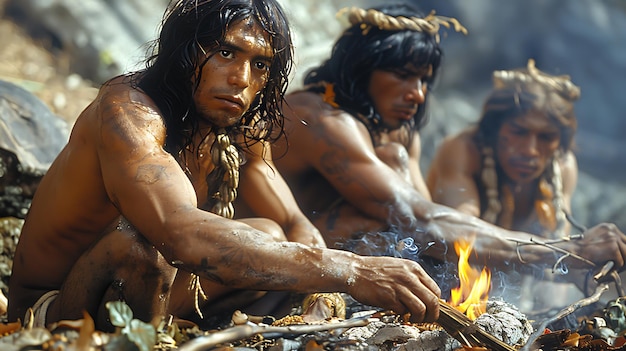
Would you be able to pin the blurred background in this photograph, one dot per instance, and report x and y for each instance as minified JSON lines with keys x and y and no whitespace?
{"x":62,"y":50}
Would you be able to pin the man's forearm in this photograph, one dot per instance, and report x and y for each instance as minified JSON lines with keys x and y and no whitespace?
{"x":492,"y":246}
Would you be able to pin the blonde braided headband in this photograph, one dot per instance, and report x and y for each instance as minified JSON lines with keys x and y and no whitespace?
{"x":561,"y":84}
{"x":374,"y":18}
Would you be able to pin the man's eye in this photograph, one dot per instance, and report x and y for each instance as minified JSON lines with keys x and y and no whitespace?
{"x":549,"y":137}
{"x":402,"y":74}
{"x":262,"y":65}
{"x":226,"y":53}
{"x":517,"y":131}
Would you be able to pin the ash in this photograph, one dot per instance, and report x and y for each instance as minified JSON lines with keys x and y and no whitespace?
{"x":501,"y":319}
{"x":505,"y":321}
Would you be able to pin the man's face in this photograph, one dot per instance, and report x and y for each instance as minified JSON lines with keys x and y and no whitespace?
{"x":234,"y":75}
{"x":397,"y":93}
{"x":525,"y":146}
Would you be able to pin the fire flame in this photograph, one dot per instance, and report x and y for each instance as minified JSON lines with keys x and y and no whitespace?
{"x":471,"y":296}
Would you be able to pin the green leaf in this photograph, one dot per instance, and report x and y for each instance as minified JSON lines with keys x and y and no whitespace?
{"x":120,"y":313}
{"x":142,"y":334}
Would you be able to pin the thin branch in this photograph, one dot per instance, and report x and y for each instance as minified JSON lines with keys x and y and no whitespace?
{"x":563,"y":313}
{"x":533,"y":241}
{"x":248,"y":330}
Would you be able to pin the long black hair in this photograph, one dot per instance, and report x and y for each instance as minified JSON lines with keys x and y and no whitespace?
{"x":188,"y":28}
{"x":521,"y":98}
{"x":356,"y":54}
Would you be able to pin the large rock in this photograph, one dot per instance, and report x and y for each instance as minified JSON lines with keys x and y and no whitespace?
{"x":31,"y":137}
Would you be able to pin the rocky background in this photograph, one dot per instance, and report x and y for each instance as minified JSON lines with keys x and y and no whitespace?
{"x":63,"y":49}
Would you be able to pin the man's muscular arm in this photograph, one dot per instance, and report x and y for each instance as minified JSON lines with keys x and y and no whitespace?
{"x":339,"y":147}
{"x":150,"y":189}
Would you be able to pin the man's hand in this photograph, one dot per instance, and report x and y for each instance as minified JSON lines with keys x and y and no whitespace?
{"x":604,"y":242}
{"x":397,"y":284}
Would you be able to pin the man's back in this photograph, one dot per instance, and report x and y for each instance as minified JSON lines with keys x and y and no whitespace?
{"x":72,"y":207}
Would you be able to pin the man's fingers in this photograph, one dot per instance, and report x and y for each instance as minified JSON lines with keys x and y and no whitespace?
{"x":422,"y":304}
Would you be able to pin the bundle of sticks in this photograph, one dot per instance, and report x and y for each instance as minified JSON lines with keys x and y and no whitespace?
{"x":460,"y":327}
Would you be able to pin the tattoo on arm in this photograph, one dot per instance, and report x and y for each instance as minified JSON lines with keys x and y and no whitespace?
{"x":208,"y":271}
{"x":150,"y":174}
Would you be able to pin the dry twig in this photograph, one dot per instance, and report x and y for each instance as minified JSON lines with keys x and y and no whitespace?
{"x":531,"y":344}
{"x":460,"y":327}
{"x":248,"y":330}
{"x":549,"y":244}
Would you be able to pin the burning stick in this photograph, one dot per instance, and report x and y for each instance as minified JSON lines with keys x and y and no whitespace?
{"x":460,"y":327}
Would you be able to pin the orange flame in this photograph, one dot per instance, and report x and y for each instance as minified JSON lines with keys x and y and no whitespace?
{"x":471,"y":296}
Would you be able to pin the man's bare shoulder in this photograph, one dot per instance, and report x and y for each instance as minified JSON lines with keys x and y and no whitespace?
{"x":461,"y":141}
{"x":119,"y":92}
{"x":121,"y":106}
{"x":460,"y":148}
{"x":308,"y":108}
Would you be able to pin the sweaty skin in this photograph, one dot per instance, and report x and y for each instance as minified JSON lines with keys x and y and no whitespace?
{"x":346,"y":185}
{"x":525,"y":147}
{"x":117,"y":217}
{"x":527,"y":144}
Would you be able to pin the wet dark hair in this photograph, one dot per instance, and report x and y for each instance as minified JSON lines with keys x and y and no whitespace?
{"x":519,"y":99}
{"x":355,"y":55}
{"x":188,"y":28}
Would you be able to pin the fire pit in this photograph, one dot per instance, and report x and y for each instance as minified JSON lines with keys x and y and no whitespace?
{"x":470,"y":320}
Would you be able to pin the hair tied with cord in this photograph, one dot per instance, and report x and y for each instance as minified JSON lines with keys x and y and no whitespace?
{"x":374,"y":18}
{"x":561,"y":84}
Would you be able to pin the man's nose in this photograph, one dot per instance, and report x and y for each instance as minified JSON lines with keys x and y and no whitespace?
{"x":530,"y":147}
{"x":417,"y":93}
{"x":239,"y":75}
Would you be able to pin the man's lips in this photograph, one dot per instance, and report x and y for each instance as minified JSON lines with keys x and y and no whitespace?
{"x":524,"y":167}
{"x":406,"y":113}
{"x":235,"y":101}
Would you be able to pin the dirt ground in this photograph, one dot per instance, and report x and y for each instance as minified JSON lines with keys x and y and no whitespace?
{"x":30,"y":64}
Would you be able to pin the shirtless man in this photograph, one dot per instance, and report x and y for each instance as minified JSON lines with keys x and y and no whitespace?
{"x":124,"y":212}
{"x":520,"y":153}
{"x":352,"y":149}
{"x":516,"y":167}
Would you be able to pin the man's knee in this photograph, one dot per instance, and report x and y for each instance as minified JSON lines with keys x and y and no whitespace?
{"x":267,"y":226}
{"x":124,"y":246}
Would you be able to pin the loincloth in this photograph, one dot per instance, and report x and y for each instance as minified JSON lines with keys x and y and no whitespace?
{"x":40,"y":309}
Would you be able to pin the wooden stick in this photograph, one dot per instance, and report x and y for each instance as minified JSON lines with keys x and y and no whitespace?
{"x":241,"y":332}
{"x":460,"y":327}
{"x":530,"y":344}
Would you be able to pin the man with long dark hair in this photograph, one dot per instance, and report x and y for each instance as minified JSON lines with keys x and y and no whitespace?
{"x":516,"y":167}
{"x":352,"y":148}
{"x":140,"y":204}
